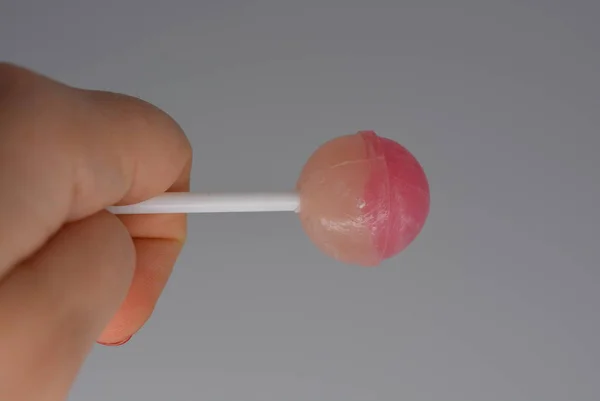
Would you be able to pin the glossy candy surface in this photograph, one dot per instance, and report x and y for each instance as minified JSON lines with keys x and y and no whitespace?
{"x":363,"y":198}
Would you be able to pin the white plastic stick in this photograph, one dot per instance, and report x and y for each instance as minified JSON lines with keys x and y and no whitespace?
{"x":212,"y":203}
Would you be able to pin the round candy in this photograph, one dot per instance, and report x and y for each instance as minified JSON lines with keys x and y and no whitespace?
{"x":363,"y":198}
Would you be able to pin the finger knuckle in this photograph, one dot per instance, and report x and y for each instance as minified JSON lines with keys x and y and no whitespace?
{"x":25,"y":97}
{"x":17,"y":83}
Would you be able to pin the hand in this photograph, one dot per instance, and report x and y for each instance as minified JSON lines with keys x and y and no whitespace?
{"x":70,"y":272}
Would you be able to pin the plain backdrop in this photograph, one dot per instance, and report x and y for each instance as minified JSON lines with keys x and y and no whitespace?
{"x":497,"y":300}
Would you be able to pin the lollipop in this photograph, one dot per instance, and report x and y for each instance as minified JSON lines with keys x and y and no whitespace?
{"x":361,"y":199}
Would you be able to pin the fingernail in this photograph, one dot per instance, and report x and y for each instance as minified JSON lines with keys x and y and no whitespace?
{"x":117,"y":344}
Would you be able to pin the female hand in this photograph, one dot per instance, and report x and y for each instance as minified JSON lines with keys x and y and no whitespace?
{"x":70,"y":272}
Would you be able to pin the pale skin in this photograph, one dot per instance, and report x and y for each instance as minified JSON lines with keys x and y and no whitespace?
{"x":72,"y":274}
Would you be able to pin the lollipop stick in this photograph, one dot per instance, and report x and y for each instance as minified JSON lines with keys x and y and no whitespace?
{"x":212,"y":203}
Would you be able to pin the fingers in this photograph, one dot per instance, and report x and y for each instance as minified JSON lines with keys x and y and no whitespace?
{"x":55,"y":304}
{"x":67,"y":153}
{"x":158,"y":241}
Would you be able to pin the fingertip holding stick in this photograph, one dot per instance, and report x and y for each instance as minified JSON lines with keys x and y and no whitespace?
{"x":361,"y":199}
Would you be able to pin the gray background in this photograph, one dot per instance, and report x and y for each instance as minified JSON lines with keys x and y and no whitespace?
{"x":500,"y":100}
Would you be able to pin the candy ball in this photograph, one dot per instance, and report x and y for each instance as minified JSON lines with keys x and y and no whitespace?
{"x":363,"y":198}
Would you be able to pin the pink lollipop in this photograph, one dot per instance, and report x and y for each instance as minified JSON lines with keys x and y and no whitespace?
{"x":361,"y":199}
